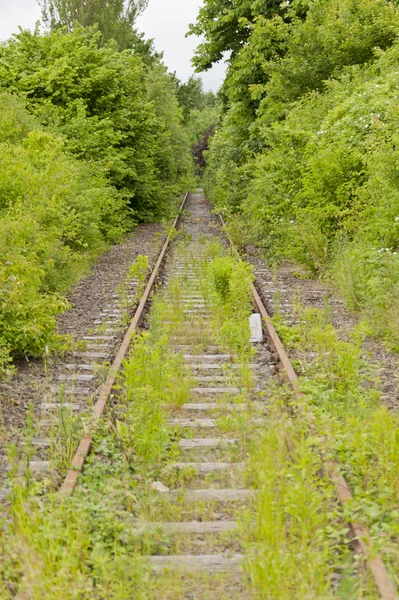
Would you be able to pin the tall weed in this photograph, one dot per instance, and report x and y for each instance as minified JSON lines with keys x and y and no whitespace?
{"x":353,"y":427}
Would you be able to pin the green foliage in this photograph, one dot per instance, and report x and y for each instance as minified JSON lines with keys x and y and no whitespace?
{"x":100,"y":525}
{"x":201,"y":121}
{"x":191,"y":96}
{"x":222,"y":270}
{"x":307,"y":153}
{"x":55,"y":214}
{"x":172,"y":159}
{"x":201,"y":114}
{"x":333,"y":35}
{"x":149,"y":380}
{"x":139,"y":270}
{"x":337,"y":419}
{"x":224,"y":25}
{"x":114,"y":19}
{"x":225,"y":281}
{"x":72,"y":548}
{"x":369,"y":282}
{"x":27,"y":316}
{"x":226,"y":177}
{"x":353,"y":427}
{"x":298,"y":533}
{"x":102,"y":101}
{"x":94,"y":142}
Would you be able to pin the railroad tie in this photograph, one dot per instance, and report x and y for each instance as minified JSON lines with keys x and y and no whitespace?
{"x":215,"y":375}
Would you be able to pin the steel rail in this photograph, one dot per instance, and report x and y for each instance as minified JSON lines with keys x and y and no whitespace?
{"x":71,"y":479}
{"x":360,"y":533}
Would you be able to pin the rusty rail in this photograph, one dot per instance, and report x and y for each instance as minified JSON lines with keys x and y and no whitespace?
{"x":83,"y":450}
{"x":359,"y":532}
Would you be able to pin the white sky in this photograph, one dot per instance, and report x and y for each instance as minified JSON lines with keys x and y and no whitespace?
{"x":164,"y":20}
{"x":167,"y":22}
{"x":17,"y":12}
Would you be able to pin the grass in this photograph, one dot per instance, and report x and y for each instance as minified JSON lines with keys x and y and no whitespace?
{"x":85,"y":547}
{"x":299,"y":544}
{"x":350,"y":425}
{"x":296,"y":534}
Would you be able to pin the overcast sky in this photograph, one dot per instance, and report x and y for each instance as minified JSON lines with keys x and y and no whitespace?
{"x":167,"y":22}
{"x":164,"y":20}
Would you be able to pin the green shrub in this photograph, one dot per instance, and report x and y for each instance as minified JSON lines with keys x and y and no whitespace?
{"x":313,"y":175}
{"x":93,"y":143}
{"x":109,"y":106}
{"x":56,"y":214}
{"x":27,"y":315}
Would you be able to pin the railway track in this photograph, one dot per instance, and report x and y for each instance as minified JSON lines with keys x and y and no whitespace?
{"x":216,"y":455}
{"x":226,"y":406}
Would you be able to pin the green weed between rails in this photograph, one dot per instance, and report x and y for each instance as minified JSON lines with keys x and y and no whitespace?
{"x":294,"y":540}
{"x":225,"y":285}
{"x":90,"y":546}
{"x":350,"y":425}
{"x":87,"y":546}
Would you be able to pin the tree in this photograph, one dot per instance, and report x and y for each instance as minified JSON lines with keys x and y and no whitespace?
{"x":191,"y":96}
{"x":56,"y":214}
{"x":225,"y":25}
{"x":115,"y":18}
{"x":100,"y":100}
{"x":291,"y":155}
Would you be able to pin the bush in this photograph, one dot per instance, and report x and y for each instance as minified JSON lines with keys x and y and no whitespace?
{"x":27,"y":315}
{"x":96,"y":144}
{"x":56,"y":214}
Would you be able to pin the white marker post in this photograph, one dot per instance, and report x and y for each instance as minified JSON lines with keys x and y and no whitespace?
{"x":255,"y":323}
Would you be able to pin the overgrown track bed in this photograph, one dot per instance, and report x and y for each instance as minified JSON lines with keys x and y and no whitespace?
{"x":54,"y":393}
{"x":225,"y":406}
{"x":210,"y":464}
